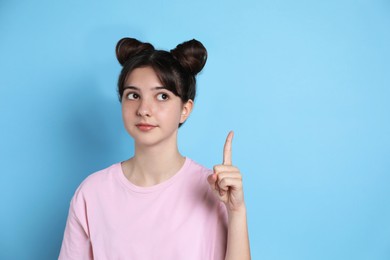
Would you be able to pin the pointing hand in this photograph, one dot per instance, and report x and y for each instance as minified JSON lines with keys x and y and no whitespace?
{"x":226,"y":181}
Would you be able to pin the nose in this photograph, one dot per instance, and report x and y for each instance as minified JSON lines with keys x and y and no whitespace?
{"x":144,"y":109}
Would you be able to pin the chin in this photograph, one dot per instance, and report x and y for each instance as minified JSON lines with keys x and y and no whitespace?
{"x":152,"y":139}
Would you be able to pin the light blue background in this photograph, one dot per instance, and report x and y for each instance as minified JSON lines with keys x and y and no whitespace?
{"x":305,"y":85}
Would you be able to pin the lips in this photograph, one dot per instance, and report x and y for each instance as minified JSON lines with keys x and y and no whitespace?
{"x":145,"y":127}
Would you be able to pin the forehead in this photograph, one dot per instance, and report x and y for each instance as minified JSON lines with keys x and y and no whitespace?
{"x":143,"y":77}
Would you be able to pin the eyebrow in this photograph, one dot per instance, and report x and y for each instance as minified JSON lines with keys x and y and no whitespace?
{"x":136,"y":88}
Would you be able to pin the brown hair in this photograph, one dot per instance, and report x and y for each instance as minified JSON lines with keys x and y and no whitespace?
{"x":175,"y":69}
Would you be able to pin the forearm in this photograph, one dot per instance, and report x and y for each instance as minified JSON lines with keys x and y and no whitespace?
{"x":238,"y":239}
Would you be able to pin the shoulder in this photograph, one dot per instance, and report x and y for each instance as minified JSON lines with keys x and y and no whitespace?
{"x":201,"y":173}
{"x":197,"y":179}
{"x":99,"y":180}
{"x":195,"y":166}
{"x":90,"y":191}
{"x":198,"y":169}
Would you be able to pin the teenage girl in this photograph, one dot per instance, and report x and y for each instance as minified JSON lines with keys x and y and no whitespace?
{"x":158,"y":204}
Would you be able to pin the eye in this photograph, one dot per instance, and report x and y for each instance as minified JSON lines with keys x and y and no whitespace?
{"x":162,"y":97}
{"x":132,"y":96}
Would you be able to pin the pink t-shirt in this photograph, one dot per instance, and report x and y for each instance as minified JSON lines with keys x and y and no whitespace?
{"x":178,"y":219}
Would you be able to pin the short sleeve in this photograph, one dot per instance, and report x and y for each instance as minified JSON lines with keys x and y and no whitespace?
{"x":76,"y":243}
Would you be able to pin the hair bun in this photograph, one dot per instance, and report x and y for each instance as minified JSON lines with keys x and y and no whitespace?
{"x":192,"y":56}
{"x":128,"y":47}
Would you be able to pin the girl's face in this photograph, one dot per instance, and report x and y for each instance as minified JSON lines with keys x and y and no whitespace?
{"x":151,"y":113}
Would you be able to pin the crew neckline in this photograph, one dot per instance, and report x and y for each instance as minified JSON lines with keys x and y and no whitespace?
{"x":151,"y":189}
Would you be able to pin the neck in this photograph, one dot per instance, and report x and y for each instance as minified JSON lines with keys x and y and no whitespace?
{"x":153,"y":164}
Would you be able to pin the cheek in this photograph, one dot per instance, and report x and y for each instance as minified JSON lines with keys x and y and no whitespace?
{"x":127,"y":111}
{"x":170,"y":113}
{"x":165,"y":117}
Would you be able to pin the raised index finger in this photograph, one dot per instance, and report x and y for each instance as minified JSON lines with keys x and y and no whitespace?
{"x":227,"y":149}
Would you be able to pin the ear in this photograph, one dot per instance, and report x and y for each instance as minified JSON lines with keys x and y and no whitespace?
{"x":186,"y":110}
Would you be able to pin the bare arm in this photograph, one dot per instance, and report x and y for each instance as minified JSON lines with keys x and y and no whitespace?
{"x":226,"y":182}
{"x":238,"y":240}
